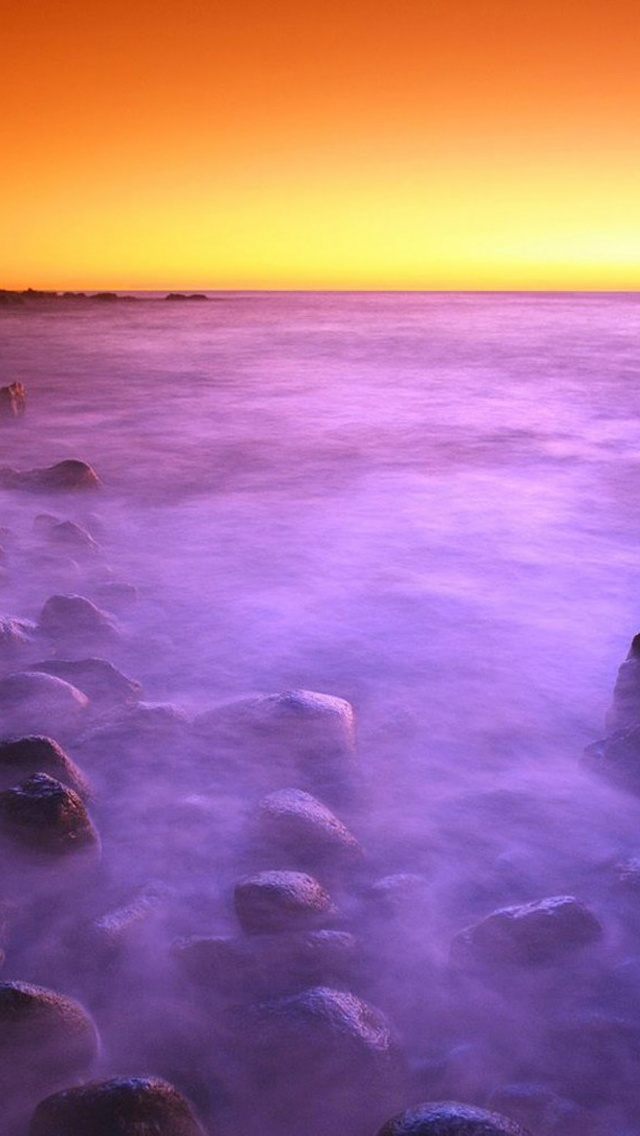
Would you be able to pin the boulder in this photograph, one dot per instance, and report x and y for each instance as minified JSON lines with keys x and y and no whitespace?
{"x":19,"y":757}
{"x":307,"y":737}
{"x":299,"y":830}
{"x":13,"y":401}
{"x":624,"y":711}
{"x":123,"y":1106}
{"x":448,"y":1118}
{"x":528,"y":935}
{"x":617,"y":759}
{"x":98,"y":679}
{"x":69,"y":534}
{"x":47,"y":1041}
{"x":65,"y":475}
{"x":74,"y":619}
{"x":44,"y":816}
{"x":281,"y":901}
{"x":32,"y":702}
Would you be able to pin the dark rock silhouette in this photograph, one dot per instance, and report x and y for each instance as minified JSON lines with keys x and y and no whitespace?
{"x":13,"y":401}
{"x":35,"y":703}
{"x":447,"y":1118}
{"x":20,"y":757}
{"x":281,"y":901}
{"x":65,"y":475}
{"x":530,"y":934}
{"x":123,"y":1106}
{"x":43,"y":815}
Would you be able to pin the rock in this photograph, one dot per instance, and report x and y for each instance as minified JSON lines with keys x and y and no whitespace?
{"x":16,"y":636}
{"x":103,"y":941}
{"x":64,"y":475}
{"x":401,"y":895}
{"x":20,"y":757}
{"x":617,"y":759}
{"x":305,"y":736}
{"x":625,"y":706}
{"x":13,"y":401}
{"x":116,"y":594}
{"x":281,"y":901}
{"x":138,"y":734}
{"x":447,"y":1118}
{"x":303,"y":832}
{"x":323,"y":1059}
{"x":263,"y":966}
{"x":528,"y":935}
{"x":102,"y":683}
{"x":76,"y":619}
{"x":73,"y":536}
{"x":543,"y":1111}
{"x":107,"y":297}
{"x":45,"y":816}
{"x":124,"y":1106}
{"x":32,"y":702}
{"x":46,"y":1042}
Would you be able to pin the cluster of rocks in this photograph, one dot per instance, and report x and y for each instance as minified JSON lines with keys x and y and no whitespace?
{"x":185,"y":1004}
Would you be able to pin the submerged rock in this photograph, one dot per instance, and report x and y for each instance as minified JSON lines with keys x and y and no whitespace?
{"x":76,"y":619}
{"x":13,"y":401}
{"x":16,"y":637}
{"x":617,"y":759}
{"x":448,"y":1118}
{"x":299,"y":828}
{"x":102,"y":683}
{"x":529,"y":934}
{"x":69,"y":534}
{"x":43,"y":815}
{"x":281,"y":901}
{"x":625,"y":705}
{"x":32,"y":702}
{"x":123,"y":1106}
{"x":65,"y":475}
{"x":20,"y":757}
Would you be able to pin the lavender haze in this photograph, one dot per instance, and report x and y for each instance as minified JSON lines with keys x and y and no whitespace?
{"x":422,"y":504}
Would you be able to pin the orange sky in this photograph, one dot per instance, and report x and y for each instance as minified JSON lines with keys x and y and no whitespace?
{"x":424,"y":144}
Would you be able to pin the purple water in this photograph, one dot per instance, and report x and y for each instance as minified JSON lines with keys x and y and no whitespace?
{"x":424,"y":503}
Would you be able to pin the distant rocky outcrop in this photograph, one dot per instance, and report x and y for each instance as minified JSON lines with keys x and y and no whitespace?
{"x":186,"y":296}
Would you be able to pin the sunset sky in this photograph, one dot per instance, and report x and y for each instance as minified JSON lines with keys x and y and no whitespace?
{"x":426,"y":144}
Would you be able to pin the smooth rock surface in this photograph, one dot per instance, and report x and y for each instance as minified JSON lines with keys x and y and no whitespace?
{"x":36,"y":703}
{"x":448,"y":1118}
{"x":529,"y":934}
{"x":281,"y":901}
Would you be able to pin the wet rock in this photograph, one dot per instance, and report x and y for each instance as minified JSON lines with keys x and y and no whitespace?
{"x":301,"y":831}
{"x":13,"y":401}
{"x":102,"y":683}
{"x":65,"y":475}
{"x":323,"y":1060}
{"x":105,"y":940}
{"x":46,"y":1042}
{"x":124,"y":1106}
{"x":617,"y":759}
{"x":44,"y":816}
{"x":32,"y":702}
{"x":281,"y":901}
{"x":307,"y":737}
{"x":20,"y":757}
{"x":70,"y":535}
{"x":16,"y":637}
{"x":625,"y":705}
{"x":262,"y":966}
{"x":528,"y":935}
{"x":447,"y":1118}
{"x":74,"y":619}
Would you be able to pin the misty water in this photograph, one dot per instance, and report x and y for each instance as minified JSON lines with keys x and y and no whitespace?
{"x":426,"y":504}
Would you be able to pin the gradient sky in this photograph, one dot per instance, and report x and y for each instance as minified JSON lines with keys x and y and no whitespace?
{"x":360,"y":144}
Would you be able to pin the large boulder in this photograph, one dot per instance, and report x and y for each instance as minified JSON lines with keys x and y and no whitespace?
{"x":298,"y":829}
{"x":19,"y":757}
{"x":65,"y":475}
{"x":298,"y":736}
{"x":102,"y":683}
{"x":448,"y":1118}
{"x":32,"y":702}
{"x":47,"y":1041}
{"x":44,"y":816}
{"x":123,"y":1106}
{"x":13,"y":401}
{"x":281,"y":901}
{"x":529,"y":934}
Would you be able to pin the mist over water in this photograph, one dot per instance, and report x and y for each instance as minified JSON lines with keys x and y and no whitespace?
{"x":425,"y":504}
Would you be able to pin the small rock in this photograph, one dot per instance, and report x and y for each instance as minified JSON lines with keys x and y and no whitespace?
{"x":448,"y":1118}
{"x":530,"y":934}
{"x":43,"y":815}
{"x":281,"y":901}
